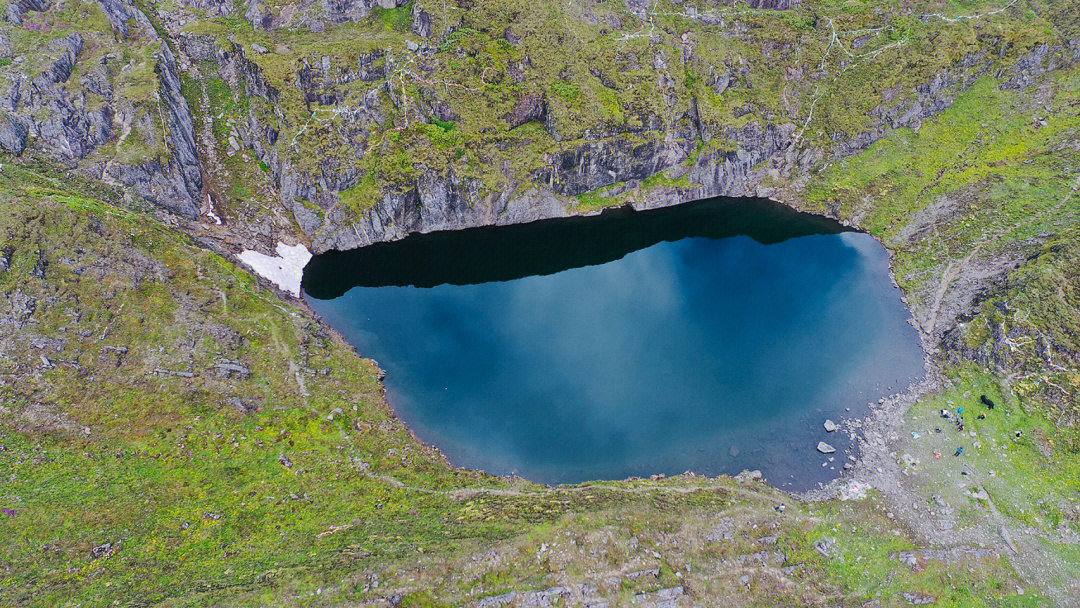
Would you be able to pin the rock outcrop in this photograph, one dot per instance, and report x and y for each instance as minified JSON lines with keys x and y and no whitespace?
{"x":80,"y":125}
{"x":435,"y":118}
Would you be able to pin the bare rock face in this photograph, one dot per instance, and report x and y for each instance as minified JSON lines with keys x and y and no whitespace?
{"x":422,"y":23}
{"x":18,"y":8}
{"x":1040,"y":60}
{"x":222,"y":8}
{"x":45,"y":109}
{"x":641,"y":7}
{"x":321,"y":82}
{"x":532,"y":107}
{"x":13,"y":133}
{"x":747,"y":476}
{"x":918,"y":599}
{"x":604,"y":162}
{"x":774,"y":5}
{"x":50,"y":113}
{"x":177,"y":183}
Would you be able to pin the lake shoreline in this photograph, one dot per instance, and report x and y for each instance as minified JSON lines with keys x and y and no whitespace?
{"x":858,"y":446}
{"x":875,"y":433}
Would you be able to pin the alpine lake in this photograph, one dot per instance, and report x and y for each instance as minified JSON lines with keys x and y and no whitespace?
{"x":712,"y":337}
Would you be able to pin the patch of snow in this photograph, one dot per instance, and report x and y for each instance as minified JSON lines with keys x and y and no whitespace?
{"x":284,"y":270}
{"x":210,"y":211}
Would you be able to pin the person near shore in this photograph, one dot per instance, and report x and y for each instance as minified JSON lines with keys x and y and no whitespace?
{"x":959,"y":451}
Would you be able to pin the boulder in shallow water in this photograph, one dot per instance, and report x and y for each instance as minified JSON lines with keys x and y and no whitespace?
{"x":830,"y":426}
{"x":747,"y":476}
{"x":825,"y":448}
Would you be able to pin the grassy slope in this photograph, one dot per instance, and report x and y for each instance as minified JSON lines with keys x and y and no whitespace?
{"x":986,"y":181}
{"x":163,"y":451}
{"x":187,"y":483}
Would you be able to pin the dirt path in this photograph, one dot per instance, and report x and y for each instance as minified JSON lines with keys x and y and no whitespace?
{"x":465,"y":493}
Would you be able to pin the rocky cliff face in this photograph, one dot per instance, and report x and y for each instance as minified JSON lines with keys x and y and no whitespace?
{"x":67,"y":97}
{"x":439,"y":115}
{"x":757,"y":155}
{"x":63,"y":129}
{"x":361,"y":106}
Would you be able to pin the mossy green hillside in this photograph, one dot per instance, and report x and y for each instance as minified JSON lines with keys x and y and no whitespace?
{"x":137,"y":467}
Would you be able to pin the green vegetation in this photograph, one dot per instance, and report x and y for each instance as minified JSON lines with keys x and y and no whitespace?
{"x":597,"y":199}
{"x":183,"y":464}
{"x":362,"y":196}
{"x":567,"y":91}
{"x":1034,"y":476}
{"x":394,"y":19}
{"x":864,"y":550}
{"x":443,"y":134}
{"x":619,"y":194}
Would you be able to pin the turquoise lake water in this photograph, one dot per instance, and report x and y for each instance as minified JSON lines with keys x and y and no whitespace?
{"x":713,"y":337}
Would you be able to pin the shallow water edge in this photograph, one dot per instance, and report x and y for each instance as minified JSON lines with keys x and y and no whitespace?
{"x":763,"y":230}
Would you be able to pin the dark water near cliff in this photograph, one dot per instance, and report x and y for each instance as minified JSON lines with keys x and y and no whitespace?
{"x":713,"y":337}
